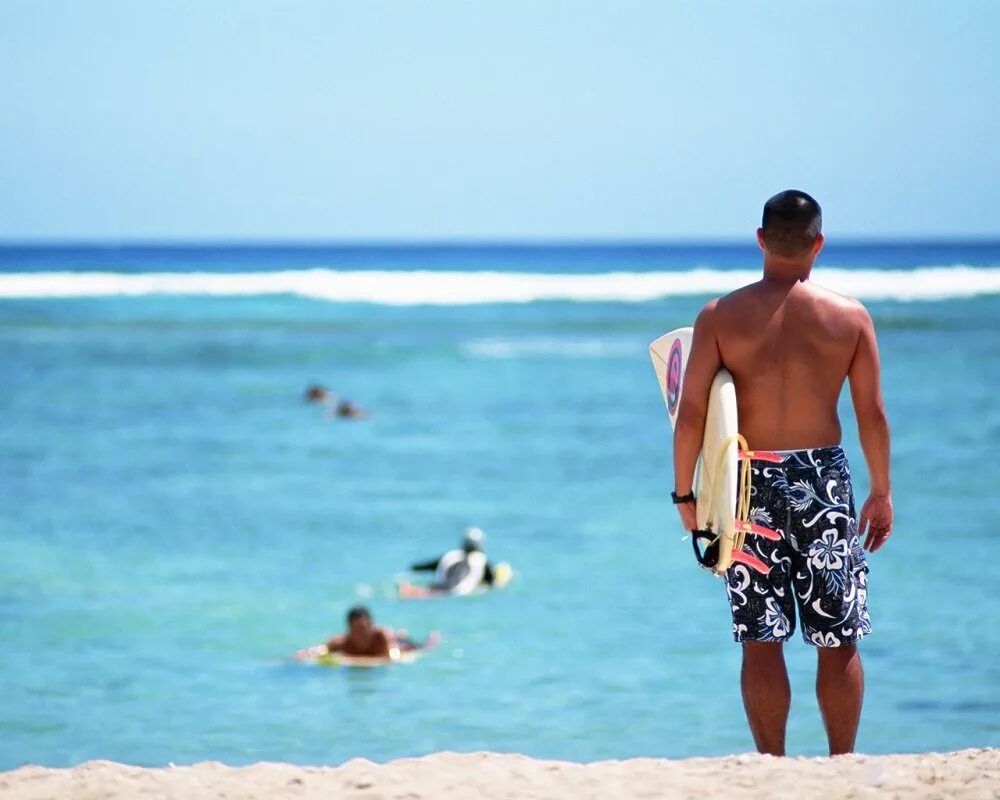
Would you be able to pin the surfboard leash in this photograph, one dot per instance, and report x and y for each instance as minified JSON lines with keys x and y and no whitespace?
{"x":718,"y":561}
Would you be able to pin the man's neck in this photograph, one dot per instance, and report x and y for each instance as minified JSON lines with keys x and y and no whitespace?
{"x":786,"y":270}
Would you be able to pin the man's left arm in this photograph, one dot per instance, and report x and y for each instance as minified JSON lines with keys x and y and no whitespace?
{"x":703,"y":363}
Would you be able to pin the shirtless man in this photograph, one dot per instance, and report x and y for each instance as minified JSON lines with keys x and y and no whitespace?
{"x":364,"y":638}
{"x":790,"y":347}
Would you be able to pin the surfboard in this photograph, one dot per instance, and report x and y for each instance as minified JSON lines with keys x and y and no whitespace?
{"x":502,"y":575}
{"x":397,"y":657}
{"x":716,"y":474}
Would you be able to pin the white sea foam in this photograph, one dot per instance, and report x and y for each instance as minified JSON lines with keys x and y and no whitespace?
{"x":468,"y":288}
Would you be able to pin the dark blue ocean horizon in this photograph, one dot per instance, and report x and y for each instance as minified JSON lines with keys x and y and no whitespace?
{"x":535,"y":256}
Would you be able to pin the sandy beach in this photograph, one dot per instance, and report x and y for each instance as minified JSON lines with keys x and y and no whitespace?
{"x":973,"y":773}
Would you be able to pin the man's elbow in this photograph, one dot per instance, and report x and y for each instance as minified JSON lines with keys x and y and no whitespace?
{"x":689,"y":421}
{"x":873,"y":419}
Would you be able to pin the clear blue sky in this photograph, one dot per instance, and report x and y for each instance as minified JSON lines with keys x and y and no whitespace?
{"x":206,"y":119}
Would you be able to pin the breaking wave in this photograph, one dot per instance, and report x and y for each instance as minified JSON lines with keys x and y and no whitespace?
{"x":428,"y":287}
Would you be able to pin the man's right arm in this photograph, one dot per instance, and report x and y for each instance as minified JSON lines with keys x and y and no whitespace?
{"x":332,"y":646}
{"x":425,"y":566}
{"x":873,"y":430}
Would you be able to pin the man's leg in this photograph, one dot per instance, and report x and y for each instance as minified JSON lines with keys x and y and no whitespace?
{"x":767,"y":695}
{"x":840,"y":688}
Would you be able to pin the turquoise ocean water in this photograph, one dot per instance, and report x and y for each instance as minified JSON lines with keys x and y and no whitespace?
{"x":176,"y":521}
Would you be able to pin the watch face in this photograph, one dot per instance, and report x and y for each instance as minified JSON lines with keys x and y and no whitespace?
{"x":674,"y":376}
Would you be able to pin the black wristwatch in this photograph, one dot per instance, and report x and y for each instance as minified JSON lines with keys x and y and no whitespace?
{"x":682,"y":498}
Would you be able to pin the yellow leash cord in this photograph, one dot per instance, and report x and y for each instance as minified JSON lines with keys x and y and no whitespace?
{"x":743,"y":494}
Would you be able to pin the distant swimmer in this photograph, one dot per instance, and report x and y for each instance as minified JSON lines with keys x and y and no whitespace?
{"x":364,"y":638}
{"x":459,"y":571}
{"x":333,"y":406}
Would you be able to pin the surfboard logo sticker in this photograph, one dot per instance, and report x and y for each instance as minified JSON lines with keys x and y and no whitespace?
{"x":674,"y":376}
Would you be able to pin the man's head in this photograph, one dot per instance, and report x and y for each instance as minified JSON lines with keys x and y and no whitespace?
{"x":792,"y":225}
{"x":359,"y":621}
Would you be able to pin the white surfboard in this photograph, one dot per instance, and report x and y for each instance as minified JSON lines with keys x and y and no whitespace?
{"x":715,"y":479}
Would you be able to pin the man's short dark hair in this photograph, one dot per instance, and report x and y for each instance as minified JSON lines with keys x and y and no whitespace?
{"x":358,"y":612}
{"x":792,"y":221}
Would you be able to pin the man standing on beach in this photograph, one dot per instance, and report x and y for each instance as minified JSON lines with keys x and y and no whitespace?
{"x":790,"y":347}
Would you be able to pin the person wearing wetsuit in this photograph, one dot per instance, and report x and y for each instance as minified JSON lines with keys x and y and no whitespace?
{"x":456,"y":572}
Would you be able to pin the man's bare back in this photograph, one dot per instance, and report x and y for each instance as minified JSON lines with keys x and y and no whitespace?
{"x":789,"y":346}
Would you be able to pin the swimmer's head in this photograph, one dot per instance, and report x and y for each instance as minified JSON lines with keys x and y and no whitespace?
{"x":473,"y":540}
{"x":316,"y":394}
{"x":359,"y":620}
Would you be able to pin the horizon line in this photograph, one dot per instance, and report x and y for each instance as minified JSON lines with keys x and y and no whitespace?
{"x":472,"y":243}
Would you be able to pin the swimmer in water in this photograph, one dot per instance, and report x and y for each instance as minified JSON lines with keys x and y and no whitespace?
{"x":454,"y":570}
{"x":364,"y":638}
{"x":332,"y":405}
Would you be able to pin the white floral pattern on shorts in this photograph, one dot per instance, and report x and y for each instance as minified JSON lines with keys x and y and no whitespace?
{"x":817,"y":567}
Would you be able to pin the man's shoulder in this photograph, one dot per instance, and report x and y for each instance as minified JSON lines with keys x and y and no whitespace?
{"x":806,"y":290}
{"x":708,"y":310}
{"x":738,"y":295}
{"x":727,"y":303}
{"x":838,"y":302}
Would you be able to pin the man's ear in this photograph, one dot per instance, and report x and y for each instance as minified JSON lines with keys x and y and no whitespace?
{"x":818,"y":244}
{"x":760,"y":239}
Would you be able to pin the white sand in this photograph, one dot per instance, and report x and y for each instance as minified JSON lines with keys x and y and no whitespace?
{"x":964,"y":774}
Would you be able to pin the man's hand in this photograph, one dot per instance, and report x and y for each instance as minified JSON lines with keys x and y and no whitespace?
{"x":689,"y":515}
{"x":308,"y":653}
{"x":876,"y":520}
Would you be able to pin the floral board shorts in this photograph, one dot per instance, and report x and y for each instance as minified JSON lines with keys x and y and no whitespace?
{"x":817,"y":566}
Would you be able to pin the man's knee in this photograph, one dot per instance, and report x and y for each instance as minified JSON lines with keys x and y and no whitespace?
{"x":841,"y":652}
{"x":838,"y":657}
{"x":762,"y":652}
